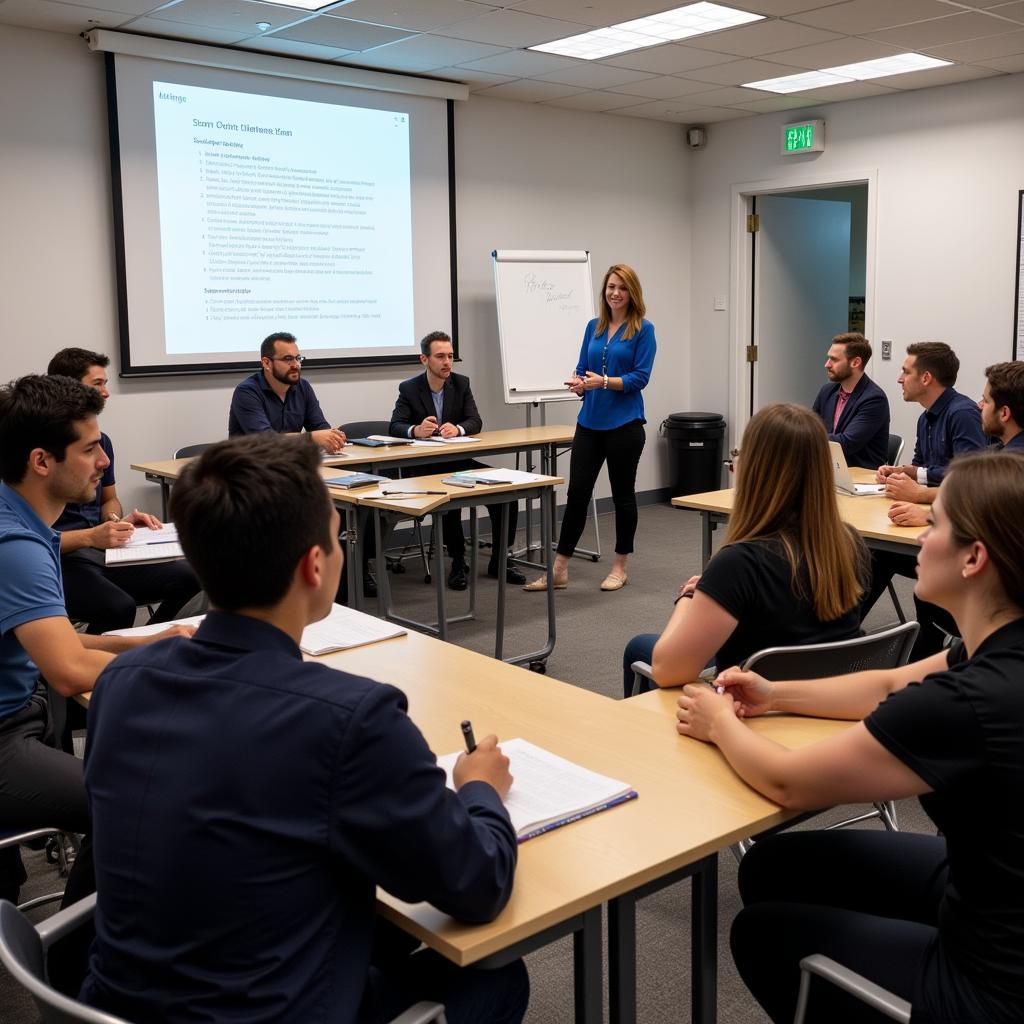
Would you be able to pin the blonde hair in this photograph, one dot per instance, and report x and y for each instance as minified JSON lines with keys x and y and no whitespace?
{"x":637,"y":309}
{"x":785,"y":491}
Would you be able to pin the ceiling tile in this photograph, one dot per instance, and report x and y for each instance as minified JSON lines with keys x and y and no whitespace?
{"x":596,"y":76}
{"x":761,"y":38}
{"x":1009,"y":64}
{"x":229,"y":14}
{"x":520,"y":63}
{"x":709,"y":115}
{"x":970,"y":25}
{"x":597,"y":101}
{"x":857,"y":17}
{"x":773,"y":104}
{"x":722,"y":97}
{"x":1014,"y":11}
{"x":847,"y":91}
{"x":57,"y":17}
{"x":291,"y":47}
{"x":133,"y":7}
{"x":352,"y":35}
{"x":476,"y":80}
{"x":740,"y":71}
{"x":656,"y":112}
{"x":529,"y":91}
{"x":667,"y":59}
{"x":834,"y":53}
{"x":936,"y":76}
{"x":427,"y":52}
{"x":183,"y":30}
{"x":595,"y":12}
{"x":419,"y":16}
{"x":979,"y":49}
{"x":662,"y":88}
{"x":780,"y":8}
{"x":511,"y":28}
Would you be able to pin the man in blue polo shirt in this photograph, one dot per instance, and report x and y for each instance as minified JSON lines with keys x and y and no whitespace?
{"x":50,"y":454}
{"x":246,"y":803}
{"x":950,"y":425}
{"x":277,"y":398}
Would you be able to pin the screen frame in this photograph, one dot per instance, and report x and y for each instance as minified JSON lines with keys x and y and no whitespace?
{"x":128,"y":369}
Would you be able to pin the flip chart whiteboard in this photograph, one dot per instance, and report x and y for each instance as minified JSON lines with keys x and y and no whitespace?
{"x":544,"y":300}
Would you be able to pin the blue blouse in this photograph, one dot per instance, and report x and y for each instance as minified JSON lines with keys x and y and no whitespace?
{"x":632,"y":360}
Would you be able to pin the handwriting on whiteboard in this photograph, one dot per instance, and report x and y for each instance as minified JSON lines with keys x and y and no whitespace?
{"x":546,"y":288}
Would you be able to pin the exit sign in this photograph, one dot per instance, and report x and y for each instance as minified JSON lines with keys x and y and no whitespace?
{"x":803,"y":137}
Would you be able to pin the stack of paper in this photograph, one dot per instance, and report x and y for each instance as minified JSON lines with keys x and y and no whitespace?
{"x":548,"y":791}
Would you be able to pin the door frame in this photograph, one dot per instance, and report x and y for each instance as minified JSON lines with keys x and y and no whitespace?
{"x":741,"y":271}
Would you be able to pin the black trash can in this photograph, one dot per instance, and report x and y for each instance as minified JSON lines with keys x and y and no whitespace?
{"x":695,"y":441}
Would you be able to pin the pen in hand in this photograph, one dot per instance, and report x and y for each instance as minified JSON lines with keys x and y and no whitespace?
{"x":467,"y":734}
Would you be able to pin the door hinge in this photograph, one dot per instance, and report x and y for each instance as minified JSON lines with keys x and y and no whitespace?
{"x":753,"y":222}
{"x":751,"y":353}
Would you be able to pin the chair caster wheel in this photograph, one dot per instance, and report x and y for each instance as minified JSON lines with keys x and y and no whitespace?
{"x":539,"y":666}
{"x":427,"y":578}
{"x":595,"y":558}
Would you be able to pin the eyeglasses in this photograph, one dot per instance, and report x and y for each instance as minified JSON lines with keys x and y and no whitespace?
{"x":290,"y":360}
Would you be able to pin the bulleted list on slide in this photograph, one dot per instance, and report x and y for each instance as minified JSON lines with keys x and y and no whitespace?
{"x":281,"y":212}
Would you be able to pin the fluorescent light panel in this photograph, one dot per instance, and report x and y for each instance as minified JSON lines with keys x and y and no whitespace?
{"x":302,"y":5}
{"x":694,"y":20}
{"x":899,"y":64}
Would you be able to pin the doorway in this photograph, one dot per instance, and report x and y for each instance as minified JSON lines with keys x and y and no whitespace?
{"x":803,"y":274}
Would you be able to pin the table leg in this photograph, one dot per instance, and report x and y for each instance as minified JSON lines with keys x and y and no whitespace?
{"x":439,"y":579}
{"x":586,"y":950}
{"x":622,"y":960}
{"x":355,"y":572}
{"x":705,"y":539}
{"x":547,"y":517}
{"x":502,"y":553}
{"x":353,"y":553}
{"x":704,"y":942}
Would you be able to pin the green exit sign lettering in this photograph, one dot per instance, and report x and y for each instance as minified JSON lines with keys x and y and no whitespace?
{"x":803,"y":137}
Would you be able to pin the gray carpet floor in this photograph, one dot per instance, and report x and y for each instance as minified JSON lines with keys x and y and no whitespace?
{"x":592,"y":629}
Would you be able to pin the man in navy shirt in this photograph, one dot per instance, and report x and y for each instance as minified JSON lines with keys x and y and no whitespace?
{"x":106,"y":597}
{"x":950,"y":425}
{"x":246,"y":803}
{"x":50,"y":454}
{"x":1002,"y":405}
{"x":277,"y":398}
{"x":852,"y":406}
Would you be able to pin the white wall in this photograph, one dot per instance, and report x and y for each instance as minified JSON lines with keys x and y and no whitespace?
{"x":527,"y":177}
{"x":949,"y":168}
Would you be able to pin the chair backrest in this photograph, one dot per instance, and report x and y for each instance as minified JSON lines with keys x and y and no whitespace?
{"x":364,"y":428}
{"x":193,"y":449}
{"x":894,"y":451}
{"x":888,"y":648}
{"x":23,"y":952}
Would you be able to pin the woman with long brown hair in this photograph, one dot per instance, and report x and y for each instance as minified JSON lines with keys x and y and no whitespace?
{"x":613,"y":369}
{"x":790,"y":571}
{"x":939,"y":920}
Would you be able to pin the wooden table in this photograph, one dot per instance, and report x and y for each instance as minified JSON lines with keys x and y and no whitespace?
{"x":544,"y":439}
{"x":690,"y":805}
{"x":452,"y":498}
{"x":866,"y":513}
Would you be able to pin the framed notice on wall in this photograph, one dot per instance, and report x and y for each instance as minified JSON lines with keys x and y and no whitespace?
{"x":1018,"y":297}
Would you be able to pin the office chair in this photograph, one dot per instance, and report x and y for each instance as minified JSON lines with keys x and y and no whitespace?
{"x":51,"y":835}
{"x":23,"y":949}
{"x":190,"y":450}
{"x":894,"y":450}
{"x":889,"y":648}
{"x":878,"y":998}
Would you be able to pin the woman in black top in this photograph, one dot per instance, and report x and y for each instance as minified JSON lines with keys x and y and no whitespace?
{"x":938,"y":921}
{"x":789,"y":572}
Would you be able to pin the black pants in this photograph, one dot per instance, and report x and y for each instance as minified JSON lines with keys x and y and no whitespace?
{"x":935,"y":622}
{"x":621,"y":448}
{"x":869,"y":900}
{"x":40,"y":787}
{"x":455,"y":537}
{"x":106,"y":598}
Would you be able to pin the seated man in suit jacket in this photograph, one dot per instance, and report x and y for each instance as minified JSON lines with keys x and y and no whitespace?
{"x":441,"y":402}
{"x":853,"y":407}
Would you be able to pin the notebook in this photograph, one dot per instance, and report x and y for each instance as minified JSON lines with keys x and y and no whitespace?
{"x":548,"y":791}
{"x":379,"y":441}
{"x":146,"y":545}
{"x":350,"y":480}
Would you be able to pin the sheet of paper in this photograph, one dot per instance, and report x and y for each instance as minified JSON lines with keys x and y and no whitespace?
{"x":344,"y":628}
{"x":506,"y":476}
{"x":131,"y":554}
{"x":155,"y":627}
{"x":166,"y":534}
{"x":869,"y":488}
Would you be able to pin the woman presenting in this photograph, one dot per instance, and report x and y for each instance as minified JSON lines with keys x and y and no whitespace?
{"x":613,"y":369}
{"x":937,"y":920}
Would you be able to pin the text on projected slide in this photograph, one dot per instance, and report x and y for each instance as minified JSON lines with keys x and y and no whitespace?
{"x":282,"y":214}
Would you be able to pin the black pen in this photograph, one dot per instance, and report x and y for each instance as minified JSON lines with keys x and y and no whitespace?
{"x":399,"y":494}
{"x":467,"y":734}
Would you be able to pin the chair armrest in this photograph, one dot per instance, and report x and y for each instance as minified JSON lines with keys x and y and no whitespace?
{"x":421,"y":1013}
{"x":892,"y":1006}
{"x":641,"y":670}
{"x":66,"y":921}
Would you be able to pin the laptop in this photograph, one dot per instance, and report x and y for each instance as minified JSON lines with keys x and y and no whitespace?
{"x":841,"y":471}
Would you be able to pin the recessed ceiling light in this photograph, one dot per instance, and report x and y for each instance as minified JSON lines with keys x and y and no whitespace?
{"x":302,"y":5}
{"x":683,"y":22}
{"x":899,"y":64}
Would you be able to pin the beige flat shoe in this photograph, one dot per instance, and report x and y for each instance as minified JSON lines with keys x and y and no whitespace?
{"x":613,"y":582}
{"x":541,"y":584}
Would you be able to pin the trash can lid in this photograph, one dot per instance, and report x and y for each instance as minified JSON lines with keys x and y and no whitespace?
{"x":695,"y":418}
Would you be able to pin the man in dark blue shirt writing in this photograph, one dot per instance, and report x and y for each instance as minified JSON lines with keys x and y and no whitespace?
{"x":277,"y":398}
{"x":246,"y":803}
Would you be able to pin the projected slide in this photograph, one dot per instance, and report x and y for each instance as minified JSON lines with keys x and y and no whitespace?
{"x":282,"y":212}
